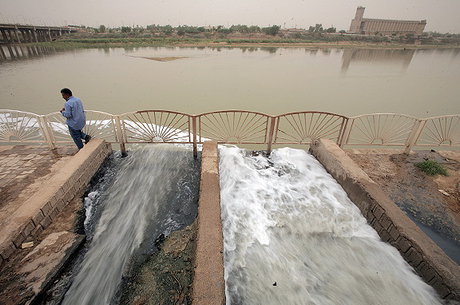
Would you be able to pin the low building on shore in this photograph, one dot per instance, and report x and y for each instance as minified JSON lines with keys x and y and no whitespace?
{"x":367,"y":26}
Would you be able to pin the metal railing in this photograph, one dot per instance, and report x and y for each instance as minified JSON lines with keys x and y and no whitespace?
{"x":236,"y":127}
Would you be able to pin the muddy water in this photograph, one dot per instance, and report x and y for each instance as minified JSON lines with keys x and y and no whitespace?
{"x":271,"y":80}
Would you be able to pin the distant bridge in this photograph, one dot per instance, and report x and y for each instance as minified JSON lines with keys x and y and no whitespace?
{"x":17,"y":33}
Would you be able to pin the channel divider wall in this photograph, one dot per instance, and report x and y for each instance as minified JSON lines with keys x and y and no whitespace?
{"x":208,"y":281}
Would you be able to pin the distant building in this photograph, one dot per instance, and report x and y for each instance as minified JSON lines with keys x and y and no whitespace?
{"x":293,"y":31}
{"x":366,"y":26}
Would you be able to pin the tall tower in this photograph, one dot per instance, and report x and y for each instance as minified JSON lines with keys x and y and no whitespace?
{"x":359,"y":13}
{"x":356,"y":22}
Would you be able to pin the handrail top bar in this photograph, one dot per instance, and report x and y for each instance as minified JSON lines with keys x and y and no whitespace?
{"x":234,"y":110}
{"x":388,"y":113}
{"x":158,"y":110}
{"x":443,"y":116}
{"x":244,"y":111}
{"x":92,"y":111}
{"x":314,"y":112}
{"x":20,"y":111}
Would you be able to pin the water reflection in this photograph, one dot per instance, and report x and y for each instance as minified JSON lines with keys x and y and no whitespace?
{"x":399,"y":57}
{"x":16,"y":52}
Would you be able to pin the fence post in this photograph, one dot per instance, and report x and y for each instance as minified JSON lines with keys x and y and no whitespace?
{"x":346,"y":132}
{"x":47,"y":132}
{"x":195,"y":149}
{"x":415,"y":134}
{"x":270,"y":134}
{"x":343,"y":127}
{"x":120,"y":137}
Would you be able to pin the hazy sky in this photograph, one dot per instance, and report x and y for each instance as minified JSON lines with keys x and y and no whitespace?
{"x":441,"y":15}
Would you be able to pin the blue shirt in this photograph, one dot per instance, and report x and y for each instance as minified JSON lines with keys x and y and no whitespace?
{"x":74,"y":113}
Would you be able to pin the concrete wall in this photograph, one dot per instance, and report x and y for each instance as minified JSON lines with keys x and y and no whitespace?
{"x":388,"y":27}
{"x":393,"y":226}
{"x":208,"y":281}
{"x":38,"y":212}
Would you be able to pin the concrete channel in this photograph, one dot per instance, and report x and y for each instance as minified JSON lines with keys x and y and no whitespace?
{"x":390,"y":222}
{"x":382,"y":214}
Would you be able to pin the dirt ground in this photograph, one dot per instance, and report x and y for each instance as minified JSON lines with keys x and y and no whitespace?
{"x":166,"y":277}
{"x":432,"y":200}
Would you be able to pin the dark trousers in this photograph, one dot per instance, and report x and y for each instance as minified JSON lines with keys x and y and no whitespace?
{"x":77,"y":135}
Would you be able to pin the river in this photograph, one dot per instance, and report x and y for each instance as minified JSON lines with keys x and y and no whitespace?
{"x":271,"y":80}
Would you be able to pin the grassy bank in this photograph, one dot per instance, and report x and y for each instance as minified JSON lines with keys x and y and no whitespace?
{"x":203,"y":42}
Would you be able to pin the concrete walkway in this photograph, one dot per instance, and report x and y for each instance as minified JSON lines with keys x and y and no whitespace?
{"x":21,"y":166}
{"x":38,"y":219}
{"x":52,"y":180}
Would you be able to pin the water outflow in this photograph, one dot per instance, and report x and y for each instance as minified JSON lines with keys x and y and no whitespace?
{"x":137,"y":200}
{"x":292,"y":236}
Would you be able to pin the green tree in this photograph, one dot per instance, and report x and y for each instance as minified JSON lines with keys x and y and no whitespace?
{"x":318,"y":28}
{"x":254,"y":29}
{"x":272,"y":30}
{"x":167,"y":29}
{"x":180,"y":31}
{"x":102,"y":28}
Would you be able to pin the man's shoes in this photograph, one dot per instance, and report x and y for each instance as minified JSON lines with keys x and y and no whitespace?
{"x":87,"y":138}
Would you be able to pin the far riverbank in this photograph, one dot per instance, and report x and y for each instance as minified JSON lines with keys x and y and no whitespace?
{"x":240,"y":43}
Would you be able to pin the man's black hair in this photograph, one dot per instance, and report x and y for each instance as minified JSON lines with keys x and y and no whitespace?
{"x":67,"y":91}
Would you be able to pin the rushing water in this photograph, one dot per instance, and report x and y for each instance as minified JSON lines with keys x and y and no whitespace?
{"x":292,"y":236}
{"x":271,"y":80}
{"x":154,"y":192}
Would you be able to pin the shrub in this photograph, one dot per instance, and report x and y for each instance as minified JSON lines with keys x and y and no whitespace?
{"x":431,"y":167}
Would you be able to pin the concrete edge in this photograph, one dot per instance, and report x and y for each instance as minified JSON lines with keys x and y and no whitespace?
{"x":38,"y":212}
{"x":68,"y":250}
{"x":393,"y":226}
{"x":208,"y":280}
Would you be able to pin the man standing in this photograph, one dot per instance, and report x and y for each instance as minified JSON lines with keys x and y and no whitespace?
{"x":76,"y":120}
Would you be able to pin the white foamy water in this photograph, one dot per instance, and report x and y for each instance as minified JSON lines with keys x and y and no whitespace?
{"x":143,"y":188}
{"x":292,"y":236}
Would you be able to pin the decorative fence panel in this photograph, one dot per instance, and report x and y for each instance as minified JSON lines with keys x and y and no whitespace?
{"x":58,"y":128}
{"x":156,"y":126}
{"x":98,"y":124}
{"x":236,"y":127}
{"x":17,"y":127}
{"x":101,"y":125}
{"x":305,"y":127}
{"x":384,"y":129}
{"x":440,"y":131}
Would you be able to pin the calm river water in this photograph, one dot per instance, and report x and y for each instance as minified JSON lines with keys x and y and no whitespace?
{"x":271,"y":80}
